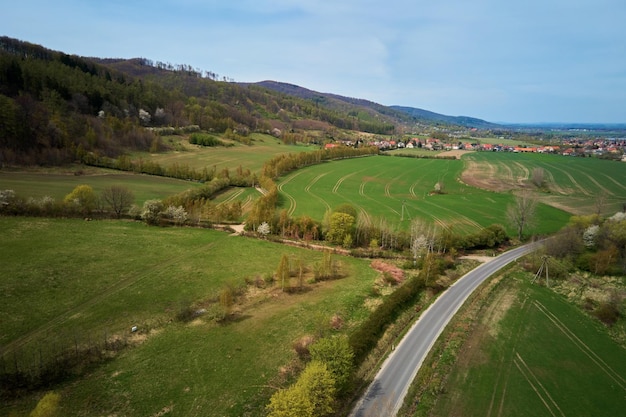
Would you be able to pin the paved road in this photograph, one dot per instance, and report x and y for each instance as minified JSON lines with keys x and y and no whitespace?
{"x":385,"y":395}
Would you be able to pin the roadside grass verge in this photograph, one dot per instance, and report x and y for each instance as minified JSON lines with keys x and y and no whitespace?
{"x":64,"y":281}
{"x":519,"y":349}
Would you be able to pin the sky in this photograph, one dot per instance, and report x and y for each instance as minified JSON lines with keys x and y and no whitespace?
{"x":530,"y":61}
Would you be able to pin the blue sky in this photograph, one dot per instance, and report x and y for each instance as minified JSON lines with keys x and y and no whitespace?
{"x":503,"y":61}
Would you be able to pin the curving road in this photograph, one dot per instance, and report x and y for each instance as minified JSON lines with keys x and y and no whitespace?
{"x":386,"y":393}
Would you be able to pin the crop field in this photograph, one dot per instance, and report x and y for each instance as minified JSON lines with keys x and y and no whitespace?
{"x":67,"y":283}
{"x":400,"y":189}
{"x":57,"y":185}
{"x":571,"y":183}
{"x":542,"y":357}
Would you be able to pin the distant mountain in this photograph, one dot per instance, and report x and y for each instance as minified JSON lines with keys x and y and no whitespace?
{"x":454,"y":120}
{"x":354,"y":106}
{"x":397,"y":113}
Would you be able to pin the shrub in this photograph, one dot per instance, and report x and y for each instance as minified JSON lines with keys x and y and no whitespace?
{"x":151,"y":212}
{"x":47,"y":406}
{"x":607,"y":313}
{"x":205,"y":140}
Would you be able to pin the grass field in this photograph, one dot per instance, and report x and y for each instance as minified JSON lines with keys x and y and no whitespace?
{"x":251,"y":157}
{"x":63,"y":281}
{"x":533,"y":353}
{"x":58,"y":184}
{"x":400,"y":189}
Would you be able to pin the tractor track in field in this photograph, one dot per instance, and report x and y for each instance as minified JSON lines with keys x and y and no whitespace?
{"x":465,"y":219}
{"x":233,"y":196}
{"x":362,"y":194}
{"x":553,"y":185}
{"x":537,"y":386}
{"x":619,"y":184}
{"x":584,"y":348}
{"x":115,"y":288}
{"x":572,"y":179}
{"x":292,"y":201}
{"x":311,"y":184}
{"x":342,"y":179}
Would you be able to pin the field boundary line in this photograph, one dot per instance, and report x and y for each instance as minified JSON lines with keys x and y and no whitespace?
{"x":527,"y":371}
{"x":582,"y":346}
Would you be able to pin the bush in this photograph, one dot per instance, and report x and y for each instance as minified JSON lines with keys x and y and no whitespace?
{"x":607,"y":313}
{"x":365,"y":337}
{"x":151,"y":212}
{"x":203,"y":139}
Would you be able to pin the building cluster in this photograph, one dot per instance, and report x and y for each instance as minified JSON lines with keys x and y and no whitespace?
{"x":592,"y":147}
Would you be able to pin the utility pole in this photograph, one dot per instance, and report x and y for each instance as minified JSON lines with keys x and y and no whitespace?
{"x":544,"y":265}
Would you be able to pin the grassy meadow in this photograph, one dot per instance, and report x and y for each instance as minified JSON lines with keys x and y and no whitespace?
{"x":252,"y":157}
{"x":69,"y":281}
{"x":38,"y":184}
{"x":534,"y":353}
{"x":57,"y":183}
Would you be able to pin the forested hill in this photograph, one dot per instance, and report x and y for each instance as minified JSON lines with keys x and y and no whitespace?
{"x":56,"y":108}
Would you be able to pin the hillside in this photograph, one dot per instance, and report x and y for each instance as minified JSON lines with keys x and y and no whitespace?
{"x":57,"y":108}
{"x":399,"y":114}
{"x":464,"y":121}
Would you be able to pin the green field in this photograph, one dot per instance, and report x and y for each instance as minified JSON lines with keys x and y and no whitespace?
{"x":72,"y":283}
{"x":542,"y":357}
{"x":251,"y":157}
{"x":569,"y":182}
{"x":400,"y":189}
{"x":69,"y":281}
{"x":57,"y":185}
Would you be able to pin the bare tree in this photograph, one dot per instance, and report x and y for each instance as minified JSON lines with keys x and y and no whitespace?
{"x":600,"y":202}
{"x":538,"y":176}
{"x":521,"y":213}
{"x":118,"y":198}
